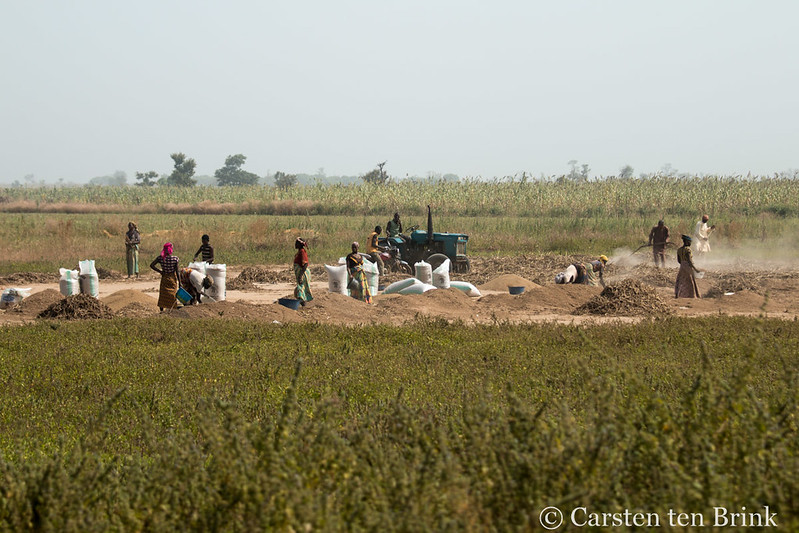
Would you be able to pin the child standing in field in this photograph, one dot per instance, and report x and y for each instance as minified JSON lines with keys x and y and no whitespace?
{"x":206,"y":250}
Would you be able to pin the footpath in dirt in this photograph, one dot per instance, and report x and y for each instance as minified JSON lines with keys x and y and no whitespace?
{"x":634,"y":292}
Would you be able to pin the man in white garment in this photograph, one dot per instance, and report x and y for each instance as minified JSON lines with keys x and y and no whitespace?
{"x":701,"y":235}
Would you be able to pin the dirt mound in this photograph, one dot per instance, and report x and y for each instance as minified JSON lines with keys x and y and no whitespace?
{"x":137,"y":310}
{"x":120,"y":299}
{"x":508,"y":280}
{"x":236,"y":310}
{"x":29,"y":277}
{"x":107,"y":273}
{"x":78,"y":306}
{"x":549,"y":299}
{"x":337,"y":308}
{"x":38,"y":302}
{"x":449,"y":304}
{"x":625,"y":298}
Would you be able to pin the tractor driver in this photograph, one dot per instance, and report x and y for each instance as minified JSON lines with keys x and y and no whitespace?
{"x":373,"y":249}
{"x":394,"y":226}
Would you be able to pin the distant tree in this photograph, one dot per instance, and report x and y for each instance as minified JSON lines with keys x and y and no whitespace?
{"x":146,"y":179}
{"x":626,"y":171}
{"x":285,"y":181}
{"x":584,"y":172}
{"x":30,"y":179}
{"x":668,"y":170}
{"x":320,"y":173}
{"x":118,"y":179}
{"x":232,"y":173}
{"x":573,"y":173}
{"x":184,"y":170}
{"x":376,"y":176}
{"x":450,"y":177}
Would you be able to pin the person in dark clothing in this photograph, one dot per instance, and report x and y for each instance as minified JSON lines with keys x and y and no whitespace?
{"x":206,"y":250}
{"x":658,"y":238}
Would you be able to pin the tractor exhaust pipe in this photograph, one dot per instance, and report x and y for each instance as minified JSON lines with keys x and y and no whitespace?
{"x":429,"y":227}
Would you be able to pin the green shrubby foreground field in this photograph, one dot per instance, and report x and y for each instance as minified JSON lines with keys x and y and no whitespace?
{"x":163,"y":424}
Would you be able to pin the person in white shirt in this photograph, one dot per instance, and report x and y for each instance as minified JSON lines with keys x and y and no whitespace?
{"x":702,"y":234}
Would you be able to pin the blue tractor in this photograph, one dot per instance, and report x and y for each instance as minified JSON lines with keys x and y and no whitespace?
{"x":430,"y":246}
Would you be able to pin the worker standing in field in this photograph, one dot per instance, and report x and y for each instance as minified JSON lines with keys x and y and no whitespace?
{"x":373,"y":249}
{"x":301,"y":272}
{"x":685,"y":287}
{"x":658,"y":238}
{"x":132,"y":241}
{"x":206,"y":250}
{"x":168,"y":289}
{"x":702,"y":235}
{"x":359,"y":286}
{"x":394,"y":226}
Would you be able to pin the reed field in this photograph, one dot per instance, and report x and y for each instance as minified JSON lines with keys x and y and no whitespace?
{"x":231,"y":426}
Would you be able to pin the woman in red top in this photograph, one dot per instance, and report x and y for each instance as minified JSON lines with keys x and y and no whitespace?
{"x":303,"y":276}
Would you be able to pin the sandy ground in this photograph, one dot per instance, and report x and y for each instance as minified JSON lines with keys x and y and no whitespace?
{"x":738,"y":289}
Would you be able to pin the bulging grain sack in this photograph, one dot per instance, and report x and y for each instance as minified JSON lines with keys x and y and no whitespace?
{"x":441,"y":275}
{"x":69,"y":283}
{"x":466,"y":287}
{"x":372,"y":272}
{"x":424,"y":272}
{"x":218,"y":273}
{"x":199,"y":266}
{"x":89,"y":281}
{"x":399,"y":285}
{"x":337,"y":279}
{"x":418,"y":288}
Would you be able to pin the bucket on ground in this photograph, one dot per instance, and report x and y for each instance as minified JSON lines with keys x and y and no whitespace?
{"x":291,"y":303}
{"x":516,"y":290}
{"x":184,"y":296}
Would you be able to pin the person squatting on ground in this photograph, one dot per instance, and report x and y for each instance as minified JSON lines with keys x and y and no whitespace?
{"x":359,"y":286}
{"x":685,"y":287}
{"x":702,"y":235}
{"x":591,"y":272}
{"x":168,"y":289}
{"x":301,"y":272}
{"x":373,"y":249}
{"x":132,"y":241}
{"x":394,"y":226}
{"x":206,"y":250}
{"x":195,"y":283}
{"x":658,"y":238}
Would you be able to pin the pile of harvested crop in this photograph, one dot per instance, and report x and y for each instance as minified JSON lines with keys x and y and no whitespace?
{"x":77,"y":306}
{"x":257,"y":274}
{"x":239,"y":284}
{"x":741,"y":281}
{"x":625,"y":298}
{"x":38,"y":302}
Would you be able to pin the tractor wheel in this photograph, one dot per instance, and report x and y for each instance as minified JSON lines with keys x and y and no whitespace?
{"x":435,"y":260}
{"x":406,"y":269}
{"x":465,"y":266}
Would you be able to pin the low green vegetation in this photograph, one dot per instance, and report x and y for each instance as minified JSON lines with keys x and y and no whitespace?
{"x":165,"y":424}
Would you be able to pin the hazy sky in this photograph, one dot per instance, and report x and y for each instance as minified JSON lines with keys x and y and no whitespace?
{"x":449,"y":86}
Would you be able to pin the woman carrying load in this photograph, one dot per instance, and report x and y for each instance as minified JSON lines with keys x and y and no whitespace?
{"x":359,"y":287}
{"x":301,"y":273}
{"x":686,"y":281}
{"x":169,"y":277}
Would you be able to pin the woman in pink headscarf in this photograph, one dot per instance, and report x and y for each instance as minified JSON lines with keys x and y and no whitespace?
{"x":167,"y":298}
